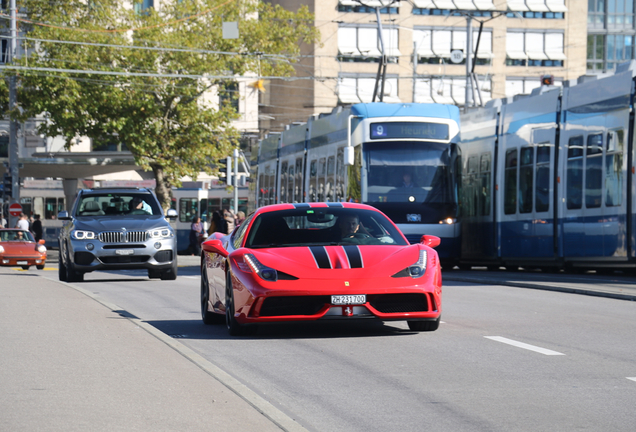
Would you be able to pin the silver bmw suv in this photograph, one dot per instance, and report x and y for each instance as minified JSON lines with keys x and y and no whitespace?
{"x":117,"y":229}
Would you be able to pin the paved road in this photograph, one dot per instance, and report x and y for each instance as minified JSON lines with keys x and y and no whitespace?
{"x":504,"y":359}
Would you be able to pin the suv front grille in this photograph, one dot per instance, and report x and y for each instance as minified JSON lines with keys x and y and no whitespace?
{"x":123,"y":236}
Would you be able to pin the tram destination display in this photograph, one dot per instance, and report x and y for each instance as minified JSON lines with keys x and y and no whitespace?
{"x":415,"y":130}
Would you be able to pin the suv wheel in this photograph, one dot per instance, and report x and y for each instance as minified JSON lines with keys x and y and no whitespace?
{"x":71,"y":274}
{"x":170,"y":274}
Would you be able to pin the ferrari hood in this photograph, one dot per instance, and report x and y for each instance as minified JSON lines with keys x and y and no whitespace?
{"x":365,"y":259}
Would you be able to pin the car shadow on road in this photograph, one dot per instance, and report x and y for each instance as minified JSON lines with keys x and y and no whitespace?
{"x":195,"y":329}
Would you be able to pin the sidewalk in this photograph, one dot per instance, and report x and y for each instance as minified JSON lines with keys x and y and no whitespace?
{"x":68,"y":363}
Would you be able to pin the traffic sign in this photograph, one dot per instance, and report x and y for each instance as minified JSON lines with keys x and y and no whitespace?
{"x":15,"y":209}
{"x":457,"y":56}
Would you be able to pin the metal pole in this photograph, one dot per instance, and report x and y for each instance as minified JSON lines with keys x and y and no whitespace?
{"x":414,"y":71}
{"x":469,"y":58}
{"x":14,"y":154}
{"x":235,"y":181}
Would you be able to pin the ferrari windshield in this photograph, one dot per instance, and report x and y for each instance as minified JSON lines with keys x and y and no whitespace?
{"x":322,"y":227}
{"x":110,"y":204}
{"x":408,"y":172}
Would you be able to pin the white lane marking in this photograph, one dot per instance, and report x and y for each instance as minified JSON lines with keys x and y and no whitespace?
{"x":631,"y":378}
{"x":523,"y":345}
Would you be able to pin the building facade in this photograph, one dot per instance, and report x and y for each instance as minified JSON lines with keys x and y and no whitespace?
{"x":521,"y":41}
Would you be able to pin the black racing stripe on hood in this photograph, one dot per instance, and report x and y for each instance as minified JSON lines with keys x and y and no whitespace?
{"x":301,"y":205}
{"x":321,"y":257}
{"x":354,"y":256}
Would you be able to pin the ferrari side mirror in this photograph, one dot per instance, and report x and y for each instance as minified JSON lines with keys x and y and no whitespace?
{"x":431,"y":241}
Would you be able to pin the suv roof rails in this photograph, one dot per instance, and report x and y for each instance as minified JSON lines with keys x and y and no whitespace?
{"x":117,"y":187}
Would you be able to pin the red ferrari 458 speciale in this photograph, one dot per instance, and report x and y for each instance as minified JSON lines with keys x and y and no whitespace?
{"x":319,"y":261}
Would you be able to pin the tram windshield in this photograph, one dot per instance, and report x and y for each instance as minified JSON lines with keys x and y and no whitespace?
{"x":408,"y":172}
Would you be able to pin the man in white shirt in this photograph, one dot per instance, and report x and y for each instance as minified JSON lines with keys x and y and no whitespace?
{"x":23,"y":222}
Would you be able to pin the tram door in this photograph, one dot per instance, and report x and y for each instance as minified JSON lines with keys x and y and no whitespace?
{"x":594,"y":222}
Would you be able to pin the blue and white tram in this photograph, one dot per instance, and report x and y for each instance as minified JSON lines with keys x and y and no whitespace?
{"x":44,"y":198}
{"x":547,"y":179}
{"x":191,"y":202}
{"x":400,"y":158}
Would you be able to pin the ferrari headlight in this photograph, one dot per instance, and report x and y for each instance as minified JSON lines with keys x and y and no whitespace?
{"x":82,"y":235}
{"x":41,"y":249}
{"x":1,"y":249}
{"x":415,"y":270}
{"x":265,"y":273}
{"x":160,"y":233}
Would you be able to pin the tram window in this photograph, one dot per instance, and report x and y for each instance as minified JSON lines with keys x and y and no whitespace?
{"x":510,"y":182}
{"x":50,"y":208}
{"x":321,"y":179}
{"x":574,"y":181}
{"x":313,"y":182}
{"x":291,"y":177}
{"x":271,"y":184}
{"x":525,"y":180}
{"x":542,"y":178}
{"x":188,"y":209}
{"x":283,"y":182}
{"x":471,"y":195}
{"x":27,"y":205}
{"x":331,"y":171}
{"x":614,"y":168}
{"x":594,"y":171}
{"x":298,"y":185}
{"x":340,"y":176}
{"x":484,"y":190}
{"x":60,"y":207}
{"x":261,"y":190}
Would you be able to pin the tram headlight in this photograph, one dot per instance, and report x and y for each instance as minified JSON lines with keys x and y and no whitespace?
{"x":448,"y":221}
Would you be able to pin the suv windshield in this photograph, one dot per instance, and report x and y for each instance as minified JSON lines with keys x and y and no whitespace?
{"x":115,"y":204}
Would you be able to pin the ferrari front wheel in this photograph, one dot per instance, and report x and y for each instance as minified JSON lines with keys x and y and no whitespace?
{"x":233,"y":326}
{"x":424,"y":326}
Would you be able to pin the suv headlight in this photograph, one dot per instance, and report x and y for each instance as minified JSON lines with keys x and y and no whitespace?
{"x":82,"y":235}
{"x":161,"y":233}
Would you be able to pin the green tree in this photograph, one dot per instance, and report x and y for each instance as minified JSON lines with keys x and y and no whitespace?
{"x":161,"y":117}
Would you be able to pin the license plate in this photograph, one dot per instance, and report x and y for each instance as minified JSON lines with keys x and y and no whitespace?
{"x":23,"y":262}
{"x":348,"y":299}
{"x":124,"y":251}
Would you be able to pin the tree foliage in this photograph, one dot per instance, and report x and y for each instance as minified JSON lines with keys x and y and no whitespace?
{"x":162,"y":117}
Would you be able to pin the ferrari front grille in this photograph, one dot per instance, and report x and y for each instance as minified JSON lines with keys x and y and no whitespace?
{"x":398,"y":303}
{"x":123,"y":236}
{"x":293,"y":305}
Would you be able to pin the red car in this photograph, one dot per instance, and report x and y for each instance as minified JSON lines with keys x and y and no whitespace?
{"x":19,"y":248}
{"x":319,"y":261}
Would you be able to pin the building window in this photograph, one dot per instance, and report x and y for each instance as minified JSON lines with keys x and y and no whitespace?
{"x":229,"y":95}
{"x":369,"y":7}
{"x":143,"y":5}
{"x":362,"y":44}
{"x":605,"y":52}
{"x":352,"y":90}
{"x":448,"y":7}
{"x":534,"y":49}
{"x":450,"y":90}
{"x":435,"y":44}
